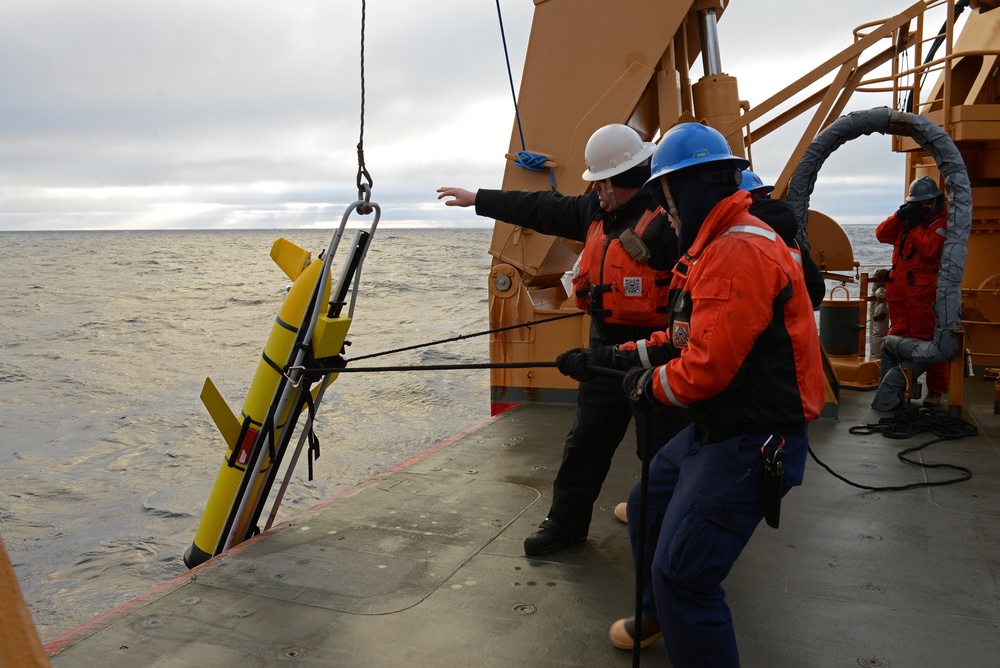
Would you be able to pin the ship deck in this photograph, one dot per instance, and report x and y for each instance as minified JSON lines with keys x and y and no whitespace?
{"x":423,"y":566}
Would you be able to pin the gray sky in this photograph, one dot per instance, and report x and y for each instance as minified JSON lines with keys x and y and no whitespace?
{"x":140,"y":114}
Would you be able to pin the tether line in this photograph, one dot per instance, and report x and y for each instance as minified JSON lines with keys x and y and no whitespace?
{"x":436,"y":367}
{"x":596,"y":370}
{"x":467,"y":336}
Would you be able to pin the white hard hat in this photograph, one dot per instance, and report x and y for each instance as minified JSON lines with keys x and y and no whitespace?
{"x":614,"y":149}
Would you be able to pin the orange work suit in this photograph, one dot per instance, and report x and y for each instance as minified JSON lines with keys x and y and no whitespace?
{"x":912,"y":285}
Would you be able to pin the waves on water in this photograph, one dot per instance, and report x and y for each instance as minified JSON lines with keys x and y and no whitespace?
{"x":109,"y":455}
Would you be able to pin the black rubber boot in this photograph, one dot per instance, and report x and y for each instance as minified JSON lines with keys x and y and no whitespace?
{"x":544,"y":541}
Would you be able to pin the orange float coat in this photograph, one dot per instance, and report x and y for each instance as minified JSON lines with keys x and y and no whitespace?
{"x":740,"y":321}
{"x":625,"y":296}
{"x":912,"y":285}
{"x":630,"y":292}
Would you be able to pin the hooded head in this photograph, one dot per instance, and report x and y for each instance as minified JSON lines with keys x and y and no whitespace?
{"x":779,"y":216}
{"x":693,"y":169}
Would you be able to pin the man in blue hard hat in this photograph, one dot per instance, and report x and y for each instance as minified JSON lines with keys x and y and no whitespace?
{"x":754,"y":185}
{"x":741,"y":358}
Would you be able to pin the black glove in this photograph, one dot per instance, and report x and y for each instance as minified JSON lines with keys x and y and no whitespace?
{"x":574,"y":363}
{"x":638,"y":386}
{"x":911,"y":213}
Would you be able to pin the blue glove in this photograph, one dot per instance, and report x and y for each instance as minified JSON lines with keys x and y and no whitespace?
{"x":638,"y":386}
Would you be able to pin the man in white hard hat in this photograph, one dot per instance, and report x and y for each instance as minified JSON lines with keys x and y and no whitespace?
{"x":624,"y":271}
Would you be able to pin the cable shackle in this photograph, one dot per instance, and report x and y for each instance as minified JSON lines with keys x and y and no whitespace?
{"x":364,"y":205}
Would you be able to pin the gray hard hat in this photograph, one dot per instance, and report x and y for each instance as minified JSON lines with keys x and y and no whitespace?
{"x":923,"y":189}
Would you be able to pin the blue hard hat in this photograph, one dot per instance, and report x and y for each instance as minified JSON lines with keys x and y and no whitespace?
{"x":689,"y":144}
{"x":752,"y":182}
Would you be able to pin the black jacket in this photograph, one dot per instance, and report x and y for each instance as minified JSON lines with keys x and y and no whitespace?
{"x":781,"y":218}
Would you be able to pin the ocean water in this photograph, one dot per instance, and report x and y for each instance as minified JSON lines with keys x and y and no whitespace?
{"x":869,"y":253}
{"x":108,"y":455}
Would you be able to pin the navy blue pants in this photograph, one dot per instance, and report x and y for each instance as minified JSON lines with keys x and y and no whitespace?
{"x":703,"y":504}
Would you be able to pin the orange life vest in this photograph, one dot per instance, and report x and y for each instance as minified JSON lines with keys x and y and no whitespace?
{"x":617,"y":288}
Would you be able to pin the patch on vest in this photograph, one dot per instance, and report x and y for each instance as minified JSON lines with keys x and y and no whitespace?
{"x":681,"y":334}
{"x":633,"y":286}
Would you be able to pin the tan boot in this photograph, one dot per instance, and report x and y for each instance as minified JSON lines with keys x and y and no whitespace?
{"x":620,"y":512}
{"x":621,"y":633}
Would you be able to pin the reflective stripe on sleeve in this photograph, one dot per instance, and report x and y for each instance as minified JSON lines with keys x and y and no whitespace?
{"x":665,"y":386}
{"x":643,"y":355}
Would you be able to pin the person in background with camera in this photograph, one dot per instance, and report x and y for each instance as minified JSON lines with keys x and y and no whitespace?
{"x":917,"y":233}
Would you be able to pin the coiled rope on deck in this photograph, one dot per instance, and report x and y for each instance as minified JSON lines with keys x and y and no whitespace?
{"x":906,"y":423}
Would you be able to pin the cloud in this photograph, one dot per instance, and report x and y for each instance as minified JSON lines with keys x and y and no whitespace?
{"x":142,"y":114}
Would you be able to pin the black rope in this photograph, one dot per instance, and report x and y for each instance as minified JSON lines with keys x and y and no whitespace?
{"x":596,"y":370}
{"x":313,"y":440}
{"x":906,"y":423}
{"x":433,"y":367}
{"x":510,"y":75}
{"x":467,"y":336}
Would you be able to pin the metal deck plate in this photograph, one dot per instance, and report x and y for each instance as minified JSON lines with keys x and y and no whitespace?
{"x":424,"y":566}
